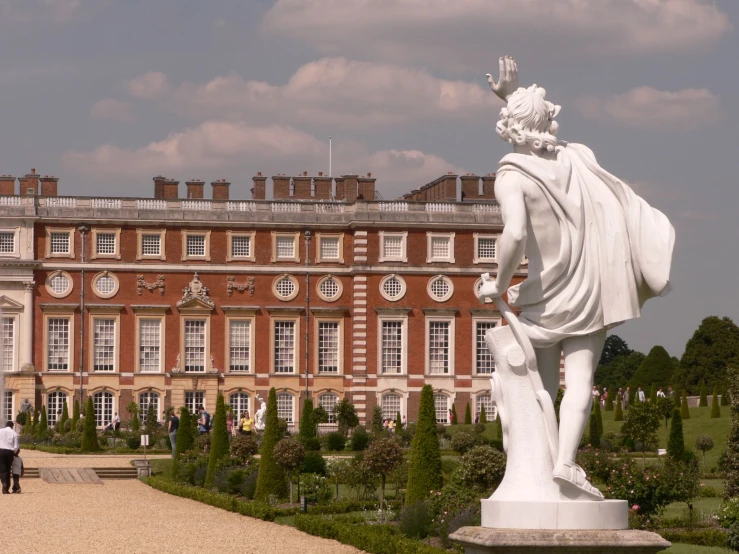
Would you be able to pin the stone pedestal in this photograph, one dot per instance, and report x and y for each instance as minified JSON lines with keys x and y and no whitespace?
{"x":557,"y":514}
{"x":480,"y":540}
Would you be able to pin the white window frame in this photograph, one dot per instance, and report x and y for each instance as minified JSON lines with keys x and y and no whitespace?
{"x":9,"y":407}
{"x":206,"y":356}
{"x":162,"y":333}
{"x":69,"y":316}
{"x":401,"y":403}
{"x":14,"y":365}
{"x":193,"y":233}
{"x":449,"y":283}
{"x":444,"y":319}
{"x":64,"y":294}
{"x":448,"y":407}
{"x":404,"y":246}
{"x":113,"y":409}
{"x":94,"y":315}
{"x":291,"y":419}
{"x":329,"y":411}
{"x":230,"y":235}
{"x":489,"y":415}
{"x":404,"y":344}
{"x":476,"y":259}
{"x":67,"y":230}
{"x":336,"y":280}
{"x":403,"y":287}
{"x":142,"y":409}
{"x":295,"y":283}
{"x":116,"y":254}
{"x":319,"y":248}
{"x":140,"y":244}
{"x":296,"y":344}
{"x":475,"y":322}
{"x":238,"y":411}
{"x":15,"y":231}
{"x":430,"y":258}
{"x":252,"y":330}
{"x":296,"y":245}
{"x":316,"y":347}
{"x":51,"y":414}
{"x":97,"y":278}
{"x":195,"y":402}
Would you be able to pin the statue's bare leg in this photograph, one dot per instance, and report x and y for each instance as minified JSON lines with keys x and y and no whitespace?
{"x":548,"y":360}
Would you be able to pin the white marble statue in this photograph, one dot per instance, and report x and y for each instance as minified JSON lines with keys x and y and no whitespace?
{"x":260,"y":415}
{"x":596,"y":252}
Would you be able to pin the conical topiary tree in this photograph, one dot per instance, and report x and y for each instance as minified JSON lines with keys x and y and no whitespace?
{"x":64,"y":418}
{"x":704,"y":397}
{"x":75,"y":415}
{"x":609,"y":403}
{"x":271,"y":478}
{"x":424,"y":472}
{"x":34,"y":422}
{"x":676,"y":442}
{"x":219,"y":440}
{"x":398,"y":423}
{"x":467,"y":414}
{"x":594,"y":427}
{"x":43,"y":425}
{"x":185,"y":437}
{"x":715,"y":410}
{"x":483,"y":415}
{"x":653,"y":393}
{"x":376,"y":426}
{"x":89,"y":433}
{"x":151,"y":421}
{"x":619,"y":416}
{"x":499,"y":428}
{"x":307,"y":429}
{"x":684,"y":410}
{"x":455,"y":419}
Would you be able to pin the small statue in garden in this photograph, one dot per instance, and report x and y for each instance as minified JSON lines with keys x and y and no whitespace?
{"x":260,"y":415}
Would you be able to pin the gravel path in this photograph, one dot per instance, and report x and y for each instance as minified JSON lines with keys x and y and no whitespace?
{"x":36,"y":458}
{"x":129,"y":517}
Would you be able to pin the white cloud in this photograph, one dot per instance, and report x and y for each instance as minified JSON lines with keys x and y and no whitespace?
{"x":336,"y":93}
{"x":646,"y":107}
{"x":149,"y":86}
{"x":241,"y":149}
{"x":115,"y":110}
{"x":470,"y":34}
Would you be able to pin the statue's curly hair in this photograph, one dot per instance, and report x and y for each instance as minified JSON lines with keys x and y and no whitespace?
{"x":529,"y":118}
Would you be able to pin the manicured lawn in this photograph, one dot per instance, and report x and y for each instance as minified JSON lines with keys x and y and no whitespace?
{"x":693,"y":549}
{"x":700,"y":423}
{"x":707,"y":506}
{"x":490,"y":430}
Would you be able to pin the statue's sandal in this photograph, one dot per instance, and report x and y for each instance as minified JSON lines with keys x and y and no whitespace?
{"x":574,"y":475}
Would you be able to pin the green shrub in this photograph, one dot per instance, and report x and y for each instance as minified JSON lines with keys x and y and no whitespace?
{"x":230,"y":480}
{"x":698,"y":537}
{"x":599,"y":465}
{"x":314,"y":463}
{"x":441,"y":430}
{"x":315,"y":488}
{"x":467,"y":414}
{"x":307,"y":429}
{"x":271,"y":476}
{"x":134,"y":442}
{"x":424,"y":473}
{"x":448,"y":465}
{"x":609,"y":402}
{"x":482,"y":468}
{"x":732,"y":540}
{"x":312,"y":444}
{"x":728,"y":513}
{"x":644,"y":488}
{"x":595,"y":428}
{"x":335,"y":441}
{"x":462,"y":442}
{"x":219,"y":440}
{"x":185,"y":437}
{"x":249,"y":486}
{"x":43,"y":425}
{"x":243,"y":447}
{"x":725,"y":396}
{"x":707,"y":491}
{"x":455,"y":420}
{"x":68,"y":426}
{"x":483,"y":415}
{"x":619,"y":415}
{"x":416,"y":520}
{"x":89,"y":434}
{"x":360,"y":439}
{"x":75,"y":414}
{"x":63,"y":420}
{"x":676,"y":442}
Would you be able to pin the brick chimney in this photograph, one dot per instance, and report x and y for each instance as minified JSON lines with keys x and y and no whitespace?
{"x":323,"y":187}
{"x":7,"y":185}
{"x":171,"y":189}
{"x":259,"y":192}
{"x":470,"y":187}
{"x":488,"y":186}
{"x":280,"y":186}
{"x":448,"y":188}
{"x":29,"y":184}
{"x":220,"y":189}
{"x":159,"y":186}
{"x":350,"y":187}
{"x":195,"y":188}
{"x":301,"y":186}
{"x":340,"y":190}
{"x":49,"y":185}
{"x":366,"y":187}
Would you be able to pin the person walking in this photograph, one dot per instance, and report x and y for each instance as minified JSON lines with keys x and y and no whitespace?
{"x":660,"y":393}
{"x":173,"y":425}
{"x":18,"y":471}
{"x":8,"y":448}
{"x":627,"y":397}
{"x":640,"y":394}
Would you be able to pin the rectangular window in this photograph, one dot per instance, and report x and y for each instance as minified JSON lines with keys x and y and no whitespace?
{"x":438,"y":341}
{"x":55,"y":406}
{"x":285,"y":247}
{"x":59,"y":242}
{"x":285,"y":406}
{"x":7,"y":242}
{"x":58,"y":343}
{"x":393,"y":246}
{"x":194,"y":345}
{"x":390,"y":405}
{"x":328,"y":402}
{"x":484,"y":362}
{"x":8,"y":411}
{"x":284,"y":347}
{"x":391,"y":354}
{"x":151,"y":245}
{"x":239,"y":337}
{"x":105,"y":243}
{"x":150,"y":335}
{"x":486,"y":248}
{"x":441,"y":403}
{"x":330,"y":248}
{"x":103,"y":404}
{"x":440,"y":247}
{"x":193,"y":399}
{"x":147,"y":399}
{"x":8,"y":346}
{"x":241,"y":246}
{"x":104,"y":345}
{"x":328,"y":346}
{"x":486,"y":401}
{"x":196,"y":246}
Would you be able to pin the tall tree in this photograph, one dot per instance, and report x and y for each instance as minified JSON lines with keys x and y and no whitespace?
{"x":715,"y":409}
{"x":483,"y":415}
{"x":424,"y":473}
{"x":219,"y":440}
{"x":684,"y":409}
{"x":64,"y":418}
{"x":376,"y":426}
{"x":731,"y":455}
{"x":703,"y":397}
{"x":271,"y":477}
{"x":89,"y":434}
{"x":467,"y":414}
{"x":383,"y":456}
{"x":185,"y":437}
{"x":713,"y":347}
{"x":641,"y":425}
{"x":656,"y":369}
{"x":619,"y":415}
{"x":346,"y":416}
{"x":613,"y":347}
{"x":666,"y":406}
{"x":455,"y":419}
{"x":653,"y":394}
{"x":289,"y":455}
{"x":595,"y":432}
{"x":609,"y":401}
{"x":75,"y":415}
{"x":307,"y":426}
{"x":43,"y":425}
{"x":676,"y":442}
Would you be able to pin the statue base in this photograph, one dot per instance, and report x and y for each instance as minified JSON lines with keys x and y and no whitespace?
{"x":555,"y":514}
{"x":479,"y":540}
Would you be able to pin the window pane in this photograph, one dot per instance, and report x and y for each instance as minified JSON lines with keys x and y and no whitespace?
{"x":486,"y":248}
{"x":8,"y":408}
{"x":441,"y":403}
{"x":328,"y":346}
{"x":484,"y":361}
{"x":438,"y":347}
{"x":392,"y":346}
{"x":329,"y":288}
{"x":285,"y":406}
{"x":392,"y":287}
{"x":7,"y":242}
{"x":193,"y":399}
{"x":285,"y":247}
{"x":8,"y":346}
{"x":145,"y":399}
{"x":239,"y":402}
{"x":390,"y":405}
{"x":106,"y":243}
{"x":393,"y":247}
{"x":55,"y":406}
{"x":58,"y":343}
{"x":105,"y":284}
{"x":285,"y":287}
{"x":104,"y":355}
{"x":440,"y":247}
{"x":59,"y":284}
{"x":330,"y":248}
{"x":194,"y":345}
{"x":103,"y":404}
{"x":284,"y":347}
{"x":240,"y":341}
{"x":151,"y":245}
{"x":59,"y":243}
{"x":149,"y":344}
{"x":240,"y":247}
{"x":439,"y":287}
{"x":196,"y":245}
{"x":487,"y":401}
{"x":328,"y":402}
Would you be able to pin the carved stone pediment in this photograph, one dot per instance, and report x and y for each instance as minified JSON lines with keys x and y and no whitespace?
{"x":196,"y":295}
{"x":10,"y":305}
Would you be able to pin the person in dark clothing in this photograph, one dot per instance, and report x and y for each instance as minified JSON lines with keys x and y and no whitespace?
{"x":174,"y":424}
{"x":8,"y":448}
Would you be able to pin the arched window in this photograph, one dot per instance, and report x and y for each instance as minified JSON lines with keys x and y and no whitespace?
{"x":390,"y":405}
{"x":487,"y":401}
{"x":103,"y":404}
{"x":441,"y":403}
{"x":54,"y":406}
{"x":239,"y":402}
{"x":285,"y":406}
{"x":147,"y":399}
{"x":328,"y":402}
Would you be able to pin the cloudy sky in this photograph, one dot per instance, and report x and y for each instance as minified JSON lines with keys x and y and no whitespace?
{"x":108,"y":93}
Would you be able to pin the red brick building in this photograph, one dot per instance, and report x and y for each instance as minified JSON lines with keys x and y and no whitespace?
{"x":322,"y":290}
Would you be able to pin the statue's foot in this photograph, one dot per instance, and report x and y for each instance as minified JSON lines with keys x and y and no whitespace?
{"x":574,"y":475}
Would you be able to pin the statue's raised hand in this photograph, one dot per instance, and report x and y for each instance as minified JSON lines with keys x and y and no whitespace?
{"x":508,"y":82}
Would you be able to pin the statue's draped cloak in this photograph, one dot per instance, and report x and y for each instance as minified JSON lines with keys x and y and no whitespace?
{"x":615,"y":249}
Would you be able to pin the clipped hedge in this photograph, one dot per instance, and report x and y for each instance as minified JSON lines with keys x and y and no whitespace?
{"x":217,"y":499}
{"x":698,"y":537}
{"x":375,"y":539}
{"x":347,"y":506}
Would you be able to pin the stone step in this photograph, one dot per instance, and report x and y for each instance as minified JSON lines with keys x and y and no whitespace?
{"x":102,"y":472}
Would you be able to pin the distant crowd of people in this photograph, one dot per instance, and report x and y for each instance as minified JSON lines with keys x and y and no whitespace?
{"x":625,"y":395}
